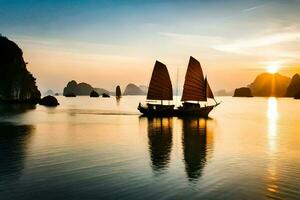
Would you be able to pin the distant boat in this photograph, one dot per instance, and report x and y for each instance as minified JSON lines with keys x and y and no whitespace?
{"x":118,"y":92}
{"x":160,"y":89}
{"x":196,"y":88}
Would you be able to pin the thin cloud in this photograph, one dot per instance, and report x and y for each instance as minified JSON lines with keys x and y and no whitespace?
{"x":245,"y":46}
{"x":192,"y":38}
{"x":253,"y":8}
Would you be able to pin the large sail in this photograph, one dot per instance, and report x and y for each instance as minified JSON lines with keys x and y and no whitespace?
{"x":194,"y":88}
{"x":160,"y":87}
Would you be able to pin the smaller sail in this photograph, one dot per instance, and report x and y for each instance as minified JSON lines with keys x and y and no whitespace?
{"x":160,"y":87}
{"x":209,"y":93}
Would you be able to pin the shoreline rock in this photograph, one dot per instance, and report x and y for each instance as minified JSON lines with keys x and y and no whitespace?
{"x":242,"y":92}
{"x":49,"y":100}
{"x":94,"y":94}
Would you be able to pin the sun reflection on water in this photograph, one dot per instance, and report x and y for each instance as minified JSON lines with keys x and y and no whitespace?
{"x":272,"y":124}
{"x":272,"y":115}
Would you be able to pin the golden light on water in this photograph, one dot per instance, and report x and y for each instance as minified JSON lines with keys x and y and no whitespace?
{"x":272,"y":115}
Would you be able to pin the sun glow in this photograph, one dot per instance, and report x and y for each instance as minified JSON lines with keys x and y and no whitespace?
{"x":272,"y":69}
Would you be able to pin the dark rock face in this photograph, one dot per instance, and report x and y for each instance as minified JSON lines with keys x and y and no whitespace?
{"x":294,"y":87}
{"x":132,"y":89}
{"x":266,"y":85}
{"x":94,"y":94}
{"x":70,"y":95}
{"x":242,"y":92}
{"x":105,"y":95}
{"x":17,"y":84}
{"x":81,"y":89}
{"x":49,"y":101}
{"x":118,"y":91}
{"x":297,"y":96}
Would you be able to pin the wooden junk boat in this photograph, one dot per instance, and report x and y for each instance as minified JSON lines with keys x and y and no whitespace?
{"x":196,"y":88}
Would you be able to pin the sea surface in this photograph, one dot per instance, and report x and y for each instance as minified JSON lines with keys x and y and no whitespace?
{"x":100,"y":148}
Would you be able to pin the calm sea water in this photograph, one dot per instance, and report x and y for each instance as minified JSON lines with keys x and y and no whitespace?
{"x":101,"y":149}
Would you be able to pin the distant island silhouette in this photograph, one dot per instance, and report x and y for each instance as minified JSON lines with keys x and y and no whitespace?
{"x":132,"y":89}
{"x":277,"y":85}
{"x":81,"y":89}
{"x":49,"y":92}
{"x":17,"y":84}
{"x":293,"y":89}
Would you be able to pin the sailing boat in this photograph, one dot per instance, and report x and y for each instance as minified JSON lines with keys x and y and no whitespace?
{"x":160,"y":89}
{"x":196,"y":88}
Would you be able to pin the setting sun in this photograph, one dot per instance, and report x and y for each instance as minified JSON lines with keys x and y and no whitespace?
{"x":272,"y":69}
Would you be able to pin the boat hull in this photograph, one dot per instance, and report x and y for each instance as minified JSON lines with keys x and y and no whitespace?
{"x":180,"y":112}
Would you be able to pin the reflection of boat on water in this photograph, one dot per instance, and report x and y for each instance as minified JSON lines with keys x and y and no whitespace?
{"x":195,"y":146}
{"x":196,"y":88}
{"x":160,"y":142}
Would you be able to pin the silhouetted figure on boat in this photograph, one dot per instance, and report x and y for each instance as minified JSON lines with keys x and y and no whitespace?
{"x":160,"y":142}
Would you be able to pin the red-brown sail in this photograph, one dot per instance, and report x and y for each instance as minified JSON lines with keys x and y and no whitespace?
{"x":209,"y":93}
{"x":194,"y":88}
{"x":160,"y":87}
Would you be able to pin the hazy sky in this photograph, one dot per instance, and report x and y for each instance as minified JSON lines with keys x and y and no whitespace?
{"x":106,"y":43}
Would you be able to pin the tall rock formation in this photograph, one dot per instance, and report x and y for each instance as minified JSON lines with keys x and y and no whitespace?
{"x":17,"y":84}
{"x":132,"y":89}
{"x":118,"y":91}
{"x":294,"y":87}
{"x":266,"y":85}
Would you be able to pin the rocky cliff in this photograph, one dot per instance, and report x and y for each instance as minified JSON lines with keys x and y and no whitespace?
{"x":266,"y":85}
{"x":81,"y":89}
{"x":17,"y":84}
{"x":294,"y":87}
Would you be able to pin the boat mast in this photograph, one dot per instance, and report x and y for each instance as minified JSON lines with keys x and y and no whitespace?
{"x":176,"y":98}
